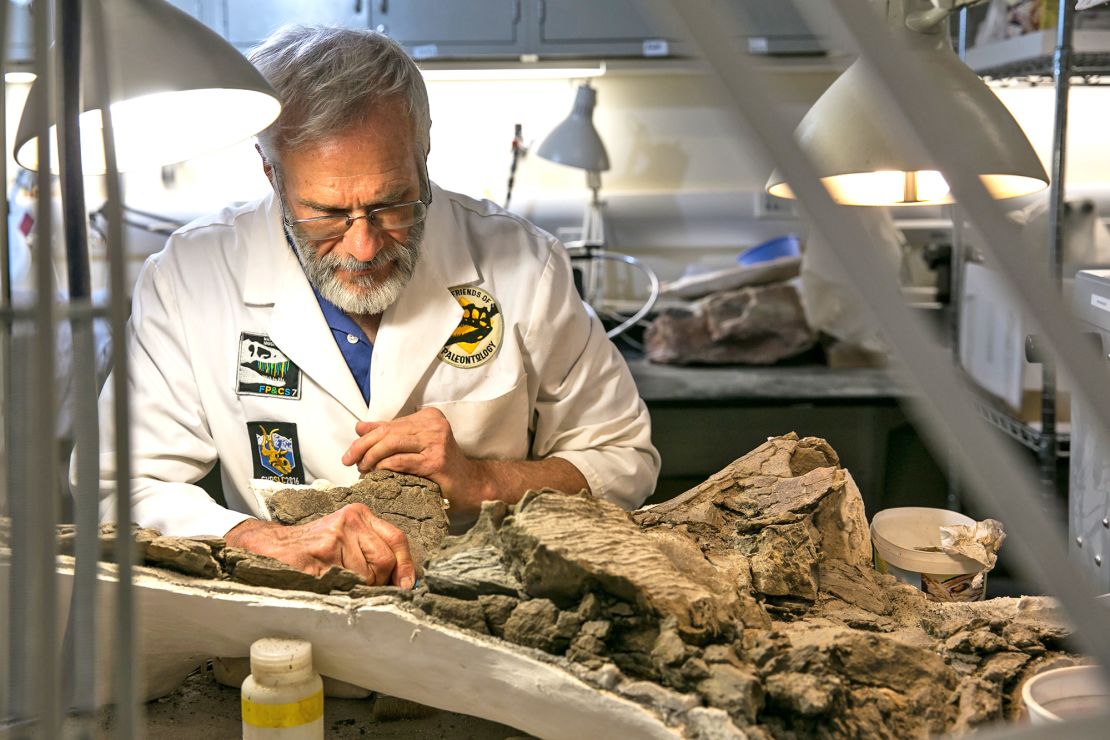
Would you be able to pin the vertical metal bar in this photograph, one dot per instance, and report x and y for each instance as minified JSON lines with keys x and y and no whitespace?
{"x":42,"y":501}
{"x":956,"y":294}
{"x":1061,"y":76}
{"x":989,"y":466}
{"x":125,"y":674}
{"x":5,"y":253}
{"x":7,"y":397}
{"x":81,"y":626}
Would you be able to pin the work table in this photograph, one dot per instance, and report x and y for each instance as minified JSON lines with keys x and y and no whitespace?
{"x":753,"y":384}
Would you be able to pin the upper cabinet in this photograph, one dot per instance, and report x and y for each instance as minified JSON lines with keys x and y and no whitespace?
{"x":510,"y":29}
{"x":249,"y":21}
{"x":431,"y":29}
{"x":613,"y":28}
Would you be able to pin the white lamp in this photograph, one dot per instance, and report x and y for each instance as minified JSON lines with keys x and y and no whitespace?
{"x":576,"y":143}
{"x":866,"y":155}
{"x":179,"y":90}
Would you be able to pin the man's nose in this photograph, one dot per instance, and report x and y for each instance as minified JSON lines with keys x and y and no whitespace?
{"x":364,"y":241}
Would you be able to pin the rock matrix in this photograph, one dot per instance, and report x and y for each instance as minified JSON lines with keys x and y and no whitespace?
{"x":744,"y":608}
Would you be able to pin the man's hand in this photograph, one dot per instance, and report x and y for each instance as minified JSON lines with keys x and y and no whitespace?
{"x":352,"y":538}
{"x":421,"y":444}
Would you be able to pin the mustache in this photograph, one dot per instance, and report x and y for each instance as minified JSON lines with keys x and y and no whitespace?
{"x":347,"y":262}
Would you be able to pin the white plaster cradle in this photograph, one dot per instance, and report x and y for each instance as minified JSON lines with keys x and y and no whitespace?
{"x":372,"y":643}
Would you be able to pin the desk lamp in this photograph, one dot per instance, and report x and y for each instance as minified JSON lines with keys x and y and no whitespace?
{"x":867,"y":156}
{"x":177,"y":90}
{"x":576,"y":143}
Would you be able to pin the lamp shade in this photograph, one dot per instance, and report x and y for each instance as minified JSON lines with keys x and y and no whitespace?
{"x":866,"y":155}
{"x":178,"y":90}
{"x":575,"y":142}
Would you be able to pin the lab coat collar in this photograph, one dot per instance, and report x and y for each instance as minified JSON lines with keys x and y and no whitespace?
{"x":412,"y":332}
{"x":415,"y":328}
{"x":297,"y":325}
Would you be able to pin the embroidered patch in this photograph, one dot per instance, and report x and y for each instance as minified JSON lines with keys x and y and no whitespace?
{"x":475,"y":340}
{"x":275,"y":451}
{"x":264,"y":370}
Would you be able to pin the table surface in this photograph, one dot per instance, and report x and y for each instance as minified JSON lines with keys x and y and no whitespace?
{"x":750,"y":383}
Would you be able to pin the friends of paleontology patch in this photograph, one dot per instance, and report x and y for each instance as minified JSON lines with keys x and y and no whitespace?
{"x":275,"y":451}
{"x":476,"y":339}
{"x":264,"y":370}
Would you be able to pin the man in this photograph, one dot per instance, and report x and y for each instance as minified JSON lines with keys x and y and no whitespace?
{"x":360,"y":318}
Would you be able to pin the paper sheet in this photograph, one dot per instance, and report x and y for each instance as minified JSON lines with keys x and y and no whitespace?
{"x":979,"y":542}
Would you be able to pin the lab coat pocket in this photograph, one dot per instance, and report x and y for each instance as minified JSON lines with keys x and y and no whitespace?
{"x":491,"y":428}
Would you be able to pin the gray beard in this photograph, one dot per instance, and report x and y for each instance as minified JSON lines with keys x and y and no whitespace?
{"x":364,"y":296}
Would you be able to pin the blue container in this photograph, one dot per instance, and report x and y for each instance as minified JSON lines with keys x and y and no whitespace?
{"x":783,"y":246}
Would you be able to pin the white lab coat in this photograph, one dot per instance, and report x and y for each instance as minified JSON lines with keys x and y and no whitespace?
{"x":556,"y":386}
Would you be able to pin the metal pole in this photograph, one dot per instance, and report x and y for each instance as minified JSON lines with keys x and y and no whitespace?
{"x":990,"y":467}
{"x":42,"y":491}
{"x":125,"y":674}
{"x":81,"y":625}
{"x":1061,"y":75}
{"x":956,"y":295}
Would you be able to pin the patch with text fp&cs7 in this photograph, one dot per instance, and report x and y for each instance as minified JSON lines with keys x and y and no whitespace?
{"x":476,"y":339}
{"x":275,"y":451}
{"x":264,"y":370}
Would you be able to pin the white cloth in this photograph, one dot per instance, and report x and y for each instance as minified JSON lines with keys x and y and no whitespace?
{"x":555,"y":387}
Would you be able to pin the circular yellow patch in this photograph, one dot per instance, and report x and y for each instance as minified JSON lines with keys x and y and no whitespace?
{"x":475,"y":340}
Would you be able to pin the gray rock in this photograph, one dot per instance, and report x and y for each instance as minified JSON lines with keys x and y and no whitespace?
{"x":466,"y":614}
{"x":784,"y":562}
{"x":468,"y":574}
{"x":535,"y":623}
{"x":497,"y":609}
{"x":177,"y":553}
{"x":737,"y":691}
{"x":758,"y":326}
{"x":802,"y":693}
{"x":654,"y":695}
{"x":709,"y":723}
{"x":259,"y":570}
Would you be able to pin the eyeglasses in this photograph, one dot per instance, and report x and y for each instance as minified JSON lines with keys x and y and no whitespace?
{"x":386,"y":218}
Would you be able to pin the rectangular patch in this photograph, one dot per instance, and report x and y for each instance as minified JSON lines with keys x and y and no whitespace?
{"x":263,"y":369}
{"x":275,"y":452}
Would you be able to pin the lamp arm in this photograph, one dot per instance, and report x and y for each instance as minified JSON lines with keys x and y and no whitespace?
{"x":926,"y":20}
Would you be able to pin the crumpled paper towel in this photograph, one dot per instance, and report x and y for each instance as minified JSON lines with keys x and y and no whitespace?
{"x":979,"y":542}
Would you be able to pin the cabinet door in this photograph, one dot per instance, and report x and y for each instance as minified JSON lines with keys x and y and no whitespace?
{"x":460,"y":28}
{"x":611,"y":28}
{"x":776,"y":27}
{"x":250,"y":21}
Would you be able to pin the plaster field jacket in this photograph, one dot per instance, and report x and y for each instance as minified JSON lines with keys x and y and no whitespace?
{"x":231,"y":359}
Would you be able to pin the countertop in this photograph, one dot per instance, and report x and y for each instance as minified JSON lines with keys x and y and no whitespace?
{"x":749,"y":383}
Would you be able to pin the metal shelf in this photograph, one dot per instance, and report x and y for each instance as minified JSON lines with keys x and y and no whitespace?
{"x":1020,"y":430}
{"x":1032,"y":55}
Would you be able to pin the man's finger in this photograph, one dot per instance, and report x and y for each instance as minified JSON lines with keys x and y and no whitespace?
{"x":363,"y":443}
{"x":403,"y":462}
{"x":404,"y":572}
{"x":364,"y":427}
{"x":386,"y":448}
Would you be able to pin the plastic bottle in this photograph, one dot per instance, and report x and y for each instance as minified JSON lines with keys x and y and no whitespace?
{"x":282,"y":699}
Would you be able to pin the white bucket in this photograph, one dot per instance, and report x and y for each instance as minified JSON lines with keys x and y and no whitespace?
{"x":904,"y":540}
{"x":1066,"y":693}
